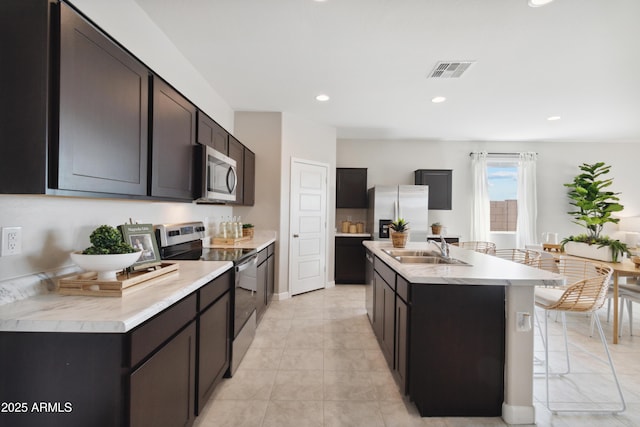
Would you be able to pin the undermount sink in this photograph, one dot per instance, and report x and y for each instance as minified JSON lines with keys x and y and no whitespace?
{"x":408,"y":256}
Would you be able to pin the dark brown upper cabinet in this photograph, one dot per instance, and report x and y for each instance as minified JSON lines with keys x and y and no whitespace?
{"x":212,"y":134}
{"x":173,"y":141}
{"x":103,"y":112}
{"x":249,"y":177}
{"x":351,"y":188}
{"x":75,"y":109}
{"x":236,"y":152}
{"x":440,"y":183}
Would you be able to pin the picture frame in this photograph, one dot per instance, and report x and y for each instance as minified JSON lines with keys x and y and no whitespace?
{"x":142,"y":236}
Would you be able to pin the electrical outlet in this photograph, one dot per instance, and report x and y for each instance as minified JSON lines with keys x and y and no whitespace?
{"x":11,"y":242}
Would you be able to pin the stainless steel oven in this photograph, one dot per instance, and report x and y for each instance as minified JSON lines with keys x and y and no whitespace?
{"x":184,"y":242}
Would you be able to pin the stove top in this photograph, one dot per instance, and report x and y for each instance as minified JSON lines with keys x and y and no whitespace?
{"x":183,"y":241}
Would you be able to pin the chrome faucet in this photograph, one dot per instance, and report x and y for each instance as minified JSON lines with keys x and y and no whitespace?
{"x":443,"y":246}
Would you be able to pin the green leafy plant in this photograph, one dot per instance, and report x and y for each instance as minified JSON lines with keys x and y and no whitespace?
{"x":107,"y":240}
{"x":594,"y":205}
{"x":436,"y":224}
{"x":247,"y":225}
{"x":399,"y":225}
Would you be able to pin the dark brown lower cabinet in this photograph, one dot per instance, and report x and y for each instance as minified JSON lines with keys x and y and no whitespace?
{"x":214,"y":347}
{"x":162,"y":389}
{"x":153,"y":375}
{"x":265,"y":279}
{"x":444,"y":343}
{"x":350,"y":260}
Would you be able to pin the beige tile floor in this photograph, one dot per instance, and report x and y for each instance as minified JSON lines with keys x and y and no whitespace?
{"x":316,"y":362}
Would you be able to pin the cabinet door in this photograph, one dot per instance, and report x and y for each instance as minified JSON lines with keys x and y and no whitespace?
{"x":212,"y":134}
{"x":174,"y":133}
{"x":261,"y":289}
{"x":401,"y":343}
{"x":440,"y":185}
{"x":271,"y":277}
{"x":351,"y":188}
{"x":214,"y":347}
{"x":236,"y":152}
{"x":350,"y":260}
{"x":389,"y":324}
{"x":249,"y":177}
{"x":378,"y":305}
{"x":162,"y":389}
{"x":103,"y":113}
{"x":368,"y":292}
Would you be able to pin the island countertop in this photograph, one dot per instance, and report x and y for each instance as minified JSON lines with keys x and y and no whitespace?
{"x":482,"y":269}
{"x":52,"y":312}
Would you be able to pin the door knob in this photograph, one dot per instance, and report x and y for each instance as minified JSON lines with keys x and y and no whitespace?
{"x":296,"y":235}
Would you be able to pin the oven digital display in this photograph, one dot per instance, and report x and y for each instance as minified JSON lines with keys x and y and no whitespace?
{"x":186,"y":230}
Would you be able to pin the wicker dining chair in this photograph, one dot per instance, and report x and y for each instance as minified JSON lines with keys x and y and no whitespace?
{"x":521,"y":256}
{"x":585,"y":291}
{"x":483,"y":247}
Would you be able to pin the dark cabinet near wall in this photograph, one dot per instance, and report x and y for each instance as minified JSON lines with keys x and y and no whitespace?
{"x":236,"y":152}
{"x":350,"y":260}
{"x":212,"y":134}
{"x":174,"y":137}
{"x":351,"y":188}
{"x":265,"y":279}
{"x":440,"y":186}
{"x":75,"y":117}
{"x":249,"y":196}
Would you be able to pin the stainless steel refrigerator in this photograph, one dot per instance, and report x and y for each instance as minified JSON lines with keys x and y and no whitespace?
{"x":390,"y":202}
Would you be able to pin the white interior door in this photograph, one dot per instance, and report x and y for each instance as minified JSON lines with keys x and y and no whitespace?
{"x":308,"y":226}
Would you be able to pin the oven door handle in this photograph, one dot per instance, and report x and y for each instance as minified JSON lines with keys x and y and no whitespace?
{"x":247,"y":264}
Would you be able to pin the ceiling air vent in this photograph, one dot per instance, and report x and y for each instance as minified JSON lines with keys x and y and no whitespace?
{"x":450,"y":69}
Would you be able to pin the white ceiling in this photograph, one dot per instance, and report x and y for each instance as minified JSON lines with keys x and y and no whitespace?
{"x":578,"y":59}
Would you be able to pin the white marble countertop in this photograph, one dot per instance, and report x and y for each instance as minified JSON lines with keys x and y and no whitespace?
{"x":353,"y":234}
{"x":53,"y":312}
{"x":261,"y":239}
{"x":483,"y":269}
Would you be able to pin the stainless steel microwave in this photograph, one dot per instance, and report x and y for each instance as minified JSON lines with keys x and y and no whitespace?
{"x":221,"y":176}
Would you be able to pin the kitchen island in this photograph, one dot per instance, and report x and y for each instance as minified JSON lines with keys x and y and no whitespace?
{"x":458,"y":337}
{"x":150,"y":357}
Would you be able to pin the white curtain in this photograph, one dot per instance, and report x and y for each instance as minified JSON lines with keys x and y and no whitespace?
{"x":480,"y":206}
{"x":527,"y":200}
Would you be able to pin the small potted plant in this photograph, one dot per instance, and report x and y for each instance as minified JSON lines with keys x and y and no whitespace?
{"x":108,"y":253}
{"x":400,"y":233}
{"x":436,"y":228}
{"x":247,"y":230}
{"x":594,"y":207}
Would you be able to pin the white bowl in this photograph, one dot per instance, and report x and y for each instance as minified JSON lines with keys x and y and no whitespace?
{"x":107,"y":266}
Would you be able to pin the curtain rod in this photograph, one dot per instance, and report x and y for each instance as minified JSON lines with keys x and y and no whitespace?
{"x":498,"y":154}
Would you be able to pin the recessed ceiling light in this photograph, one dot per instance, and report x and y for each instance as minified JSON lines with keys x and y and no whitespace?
{"x":538,"y":3}
{"x":322,"y":97}
{"x":553,"y":118}
{"x":438,"y":99}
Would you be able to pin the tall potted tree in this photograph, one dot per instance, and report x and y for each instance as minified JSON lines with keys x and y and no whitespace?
{"x":594,"y":206}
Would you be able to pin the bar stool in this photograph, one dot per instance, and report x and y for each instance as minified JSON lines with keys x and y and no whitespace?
{"x":586,"y":290}
{"x":521,"y":256}
{"x":483,"y":247}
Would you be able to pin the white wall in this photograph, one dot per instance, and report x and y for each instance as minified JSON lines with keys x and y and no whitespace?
{"x":393,"y":162}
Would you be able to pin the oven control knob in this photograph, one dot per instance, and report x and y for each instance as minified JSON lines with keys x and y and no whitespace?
{"x":173,"y":233}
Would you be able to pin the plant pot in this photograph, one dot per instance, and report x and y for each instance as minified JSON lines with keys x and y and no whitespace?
{"x":399,"y":238}
{"x":248,"y":232}
{"x":585,"y":250}
{"x":436,"y":229}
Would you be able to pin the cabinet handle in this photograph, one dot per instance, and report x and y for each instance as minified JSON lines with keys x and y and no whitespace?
{"x":295,"y":236}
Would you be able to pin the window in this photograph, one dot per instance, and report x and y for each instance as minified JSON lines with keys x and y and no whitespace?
{"x":502,"y":177}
